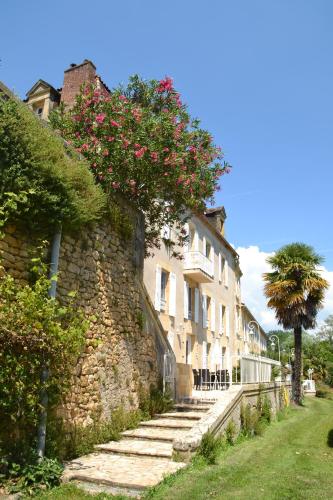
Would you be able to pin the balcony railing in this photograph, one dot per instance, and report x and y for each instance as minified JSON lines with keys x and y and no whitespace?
{"x":197,"y":264}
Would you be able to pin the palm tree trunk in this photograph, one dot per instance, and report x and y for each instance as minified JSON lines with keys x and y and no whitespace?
{"x":297,"y":387}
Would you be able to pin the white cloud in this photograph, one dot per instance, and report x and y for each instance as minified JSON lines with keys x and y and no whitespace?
{"x":253,"y":264}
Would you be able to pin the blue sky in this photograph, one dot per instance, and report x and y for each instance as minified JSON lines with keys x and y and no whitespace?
{"x":258,"y":73}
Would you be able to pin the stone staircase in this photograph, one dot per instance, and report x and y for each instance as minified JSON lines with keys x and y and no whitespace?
{"x":141,"y":458}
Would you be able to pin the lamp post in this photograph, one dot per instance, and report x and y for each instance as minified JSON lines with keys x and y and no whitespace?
{"x":276,"y":338}
{"x":251,"y":326}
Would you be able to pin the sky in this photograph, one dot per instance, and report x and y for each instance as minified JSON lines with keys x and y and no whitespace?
{"x":257,"y":73}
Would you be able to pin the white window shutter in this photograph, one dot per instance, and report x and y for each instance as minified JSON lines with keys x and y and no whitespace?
{"x":196,"y":242}
{"x":236,"y":320}
{"x":212,"y":315}
{"x":186,"y":287}
{"x":227,"y":321}
{"x":158,"y":289}
{"x":226,"y":273}
{"x":220,"y":267}
{"x":196,"y":305}
{"x":172,"y":297}
{"x":204,"y":245}
{"x":212,"y":258}
{"x":204,"y":311}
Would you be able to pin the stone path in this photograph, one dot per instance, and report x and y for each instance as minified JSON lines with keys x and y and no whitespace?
{"x":140,"y":459}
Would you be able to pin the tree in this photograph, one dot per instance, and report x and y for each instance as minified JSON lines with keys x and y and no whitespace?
{"x":295,"y":289}
{"x":326,"y":330}
{"x":141,"y":143}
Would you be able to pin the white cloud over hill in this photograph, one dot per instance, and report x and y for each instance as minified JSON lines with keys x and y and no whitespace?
{"x":253,"y":264}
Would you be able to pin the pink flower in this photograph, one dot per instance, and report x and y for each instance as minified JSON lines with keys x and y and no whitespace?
{"x":122,"y":98}
{"x":165,"y":85}
{"x":105,"y":152}
{"x":137,"y":146}
{"x":110,"y":138}
{"x":100,"y":118}
{"x":115,"y":185}
{"x":125,"y":143}
{"x":140,"y":152}
{"x":110,"y":169}
{"x":154,"y":156}
{"x":114,"y":123}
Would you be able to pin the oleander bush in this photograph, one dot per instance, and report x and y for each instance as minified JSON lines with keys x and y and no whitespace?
{"x":141,"y":142}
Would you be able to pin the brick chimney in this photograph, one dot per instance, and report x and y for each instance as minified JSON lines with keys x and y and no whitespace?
{"x":74,"y":77}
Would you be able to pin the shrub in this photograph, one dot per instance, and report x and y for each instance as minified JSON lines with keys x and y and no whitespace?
{"x":75,"y":440}
{"x":35,"y":332}
{"x":209,"y":447}
{"x":32,"y":478}
{"x":154,"y":401}
{"x":231,"y":432}
{"x":260,"y":427}
{"x":141,"y":142}
{"x":51,"y":184}
{"x":322,"y":393}
{"x":249,"y":419}
{"x":266,"y":411}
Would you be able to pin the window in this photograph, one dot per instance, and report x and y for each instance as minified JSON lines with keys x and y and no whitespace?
{"x":208,"y":312}
{"x":225,"y":273}
{"x":221,"y":268}
{"x":188,"y":301}
{"x":190,"y":305}
{"x":221,"y":319}
{"x":208,"y":250}
{"x":188,"y":351}
{"x":39,"y":112}
{"x":164,"y":280}
{"x":165,"y":290}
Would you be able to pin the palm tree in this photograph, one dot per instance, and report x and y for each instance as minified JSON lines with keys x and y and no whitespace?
{"x":295,"y":289}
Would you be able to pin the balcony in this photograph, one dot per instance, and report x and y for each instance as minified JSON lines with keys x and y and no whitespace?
{"x":198,"y":267}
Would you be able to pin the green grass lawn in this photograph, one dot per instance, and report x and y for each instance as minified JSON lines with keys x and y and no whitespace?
{"x":292,"y":460}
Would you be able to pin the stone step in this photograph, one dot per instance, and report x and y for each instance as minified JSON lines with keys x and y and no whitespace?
{"x":139,"y":447}
{"x":186,"y":415}
{"x":180,"y":407}
{"x":155,"y":433}
{"x":116,"y":473}
{"x":168,"y":423}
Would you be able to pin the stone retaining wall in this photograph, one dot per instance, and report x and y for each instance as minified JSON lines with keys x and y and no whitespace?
{"x":227,"y":408}
{"x":125,"y":347}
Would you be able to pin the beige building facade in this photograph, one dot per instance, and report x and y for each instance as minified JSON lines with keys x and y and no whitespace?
{"x":255,"y":338}
{"x":198,"y":298}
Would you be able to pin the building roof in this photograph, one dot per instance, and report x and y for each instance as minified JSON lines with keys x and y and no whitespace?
{"x":44,"y":84}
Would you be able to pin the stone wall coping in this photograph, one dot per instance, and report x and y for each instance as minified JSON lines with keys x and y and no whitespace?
{"x":211,"y":421}
{"x":218,"y":414}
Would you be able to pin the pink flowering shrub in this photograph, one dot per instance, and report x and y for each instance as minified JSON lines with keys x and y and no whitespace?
{"x":141,"y":143}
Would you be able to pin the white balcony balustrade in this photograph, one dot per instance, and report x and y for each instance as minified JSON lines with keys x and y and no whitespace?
{"x":198,"y":267}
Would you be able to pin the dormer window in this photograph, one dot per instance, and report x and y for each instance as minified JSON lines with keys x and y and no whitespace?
{"x":39,"y":112}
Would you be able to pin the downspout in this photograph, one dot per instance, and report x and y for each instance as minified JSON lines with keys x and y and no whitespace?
{"x":54,"y":264}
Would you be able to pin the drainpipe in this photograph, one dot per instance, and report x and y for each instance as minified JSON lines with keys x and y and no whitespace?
{"x":41,"y":437}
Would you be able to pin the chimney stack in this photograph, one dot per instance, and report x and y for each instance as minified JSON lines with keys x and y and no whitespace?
{"x":217,"y":216}
{"x":74,"y":77}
